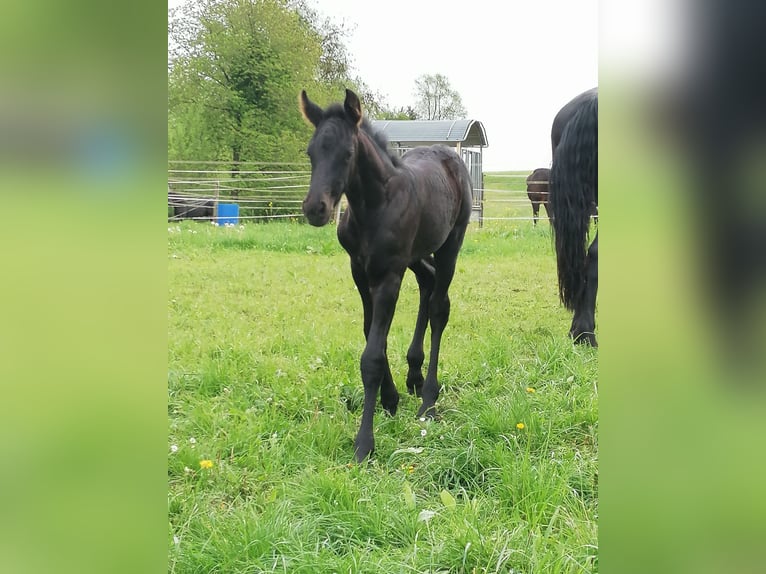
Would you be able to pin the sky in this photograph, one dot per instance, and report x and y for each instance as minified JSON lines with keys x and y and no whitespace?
{"x":514,"y":63}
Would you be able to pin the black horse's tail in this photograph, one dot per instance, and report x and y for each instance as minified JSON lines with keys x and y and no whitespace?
{"x":573,"y":196}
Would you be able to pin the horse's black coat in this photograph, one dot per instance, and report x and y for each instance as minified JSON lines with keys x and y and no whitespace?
{"x":402,"y":213}
{"x":573,"y":200}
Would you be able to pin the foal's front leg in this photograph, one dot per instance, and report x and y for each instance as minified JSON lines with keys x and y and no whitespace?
{"x":389,"y":396}
{"x":374,"y":363}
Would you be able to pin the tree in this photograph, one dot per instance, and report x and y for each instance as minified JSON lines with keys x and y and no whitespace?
{"x":436,"y":100}
{"x":235,"y":68}
{"x":400,"y":113}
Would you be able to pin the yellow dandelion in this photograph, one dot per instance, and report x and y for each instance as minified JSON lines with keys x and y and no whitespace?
{"x":410,"y":469}
{"x":530,"y":390}
{"x":206,"y":463}
{"x":520,"y":426}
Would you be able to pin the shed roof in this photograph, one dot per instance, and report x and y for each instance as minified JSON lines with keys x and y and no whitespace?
{"x":469,"y":133}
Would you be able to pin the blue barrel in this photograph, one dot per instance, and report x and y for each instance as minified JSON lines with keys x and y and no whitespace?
{"x":228,"y":213}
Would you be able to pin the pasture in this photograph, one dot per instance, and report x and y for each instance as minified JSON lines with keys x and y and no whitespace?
{"x":264,"y":341}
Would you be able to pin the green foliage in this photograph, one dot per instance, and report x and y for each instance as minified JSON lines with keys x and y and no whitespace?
{"x":236,"y":69}
{"x":402,"y":113}
{"x":264,"y":342}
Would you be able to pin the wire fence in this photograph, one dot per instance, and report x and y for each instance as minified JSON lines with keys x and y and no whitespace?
{"x":272,"y":191}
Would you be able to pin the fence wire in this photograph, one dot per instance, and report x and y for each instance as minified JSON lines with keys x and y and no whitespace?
{"x":276,"y":191}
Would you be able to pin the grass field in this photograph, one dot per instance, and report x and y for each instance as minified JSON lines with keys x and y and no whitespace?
{"x":264,"y":342}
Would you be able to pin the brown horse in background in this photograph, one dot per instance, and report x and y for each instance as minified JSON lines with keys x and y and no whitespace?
{"x":537,"y":191}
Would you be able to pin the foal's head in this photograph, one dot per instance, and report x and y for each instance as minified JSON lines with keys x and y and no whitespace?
{"x":332,"y":151}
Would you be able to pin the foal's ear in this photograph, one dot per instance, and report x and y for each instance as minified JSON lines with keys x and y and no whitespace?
{"x":311,"y":112}
{"x":353,"y":107}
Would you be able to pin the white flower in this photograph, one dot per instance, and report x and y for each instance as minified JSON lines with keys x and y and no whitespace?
{"x":422,"y":419}
{"x":423,"y":432}
{"x":187,"y":470}
{"x":173,"y":448}
{"x":192,"y":440}
{"x":176,"y":540}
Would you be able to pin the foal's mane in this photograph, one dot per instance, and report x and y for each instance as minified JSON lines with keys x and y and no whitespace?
{"x":376,"y":136}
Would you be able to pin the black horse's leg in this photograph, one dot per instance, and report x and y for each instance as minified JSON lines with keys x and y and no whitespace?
{"x":439,"y":309}
{"x":389,"y":396}
{"x":374,"y":363}
{"x":584,"y":320}
{"x":535,"y":212}
{"x":424,"y":271}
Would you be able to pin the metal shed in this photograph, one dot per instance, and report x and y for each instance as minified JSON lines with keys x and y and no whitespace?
{"x":467,"y":136}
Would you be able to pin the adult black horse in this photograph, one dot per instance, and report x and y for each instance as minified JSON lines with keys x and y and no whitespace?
{"x":409,"y":212}
{"x":573,"y":201}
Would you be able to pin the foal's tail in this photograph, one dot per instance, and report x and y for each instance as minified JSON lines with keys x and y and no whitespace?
{"x":573,"y":197}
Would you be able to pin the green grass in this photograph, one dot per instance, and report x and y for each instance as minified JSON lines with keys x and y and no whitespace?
{"x":264,"y":339}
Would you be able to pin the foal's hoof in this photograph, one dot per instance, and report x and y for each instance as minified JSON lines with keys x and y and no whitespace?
{"x":415,"y":385}
{"x":389,"y":402}
{"x":364,"y":447}
{"x":428,"y":411}
{"x":585,"y":338}
{"x":390,"y":408}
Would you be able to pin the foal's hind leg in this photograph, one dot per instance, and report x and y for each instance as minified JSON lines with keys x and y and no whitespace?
{"x":439,"y":309}
{"x":424,"y":271}
{"x":584,"y":320}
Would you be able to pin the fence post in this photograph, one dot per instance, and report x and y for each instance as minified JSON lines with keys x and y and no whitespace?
{"x":217,"y":197}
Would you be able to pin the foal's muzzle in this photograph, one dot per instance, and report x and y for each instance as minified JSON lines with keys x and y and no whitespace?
{"x":318,"y":210}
